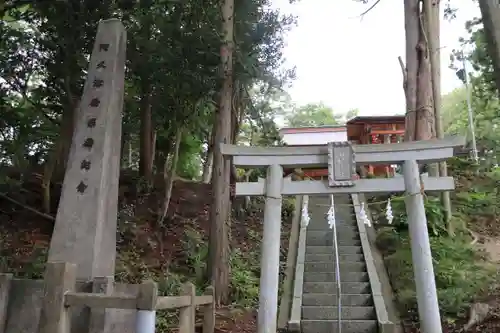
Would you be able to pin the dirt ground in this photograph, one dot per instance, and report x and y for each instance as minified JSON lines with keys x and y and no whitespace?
{"x":241,"y":321}
{"x":25,"y":238}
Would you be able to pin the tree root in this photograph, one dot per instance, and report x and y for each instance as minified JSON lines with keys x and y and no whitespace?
{"x":477,"y":314}
{"x":475,"y":237}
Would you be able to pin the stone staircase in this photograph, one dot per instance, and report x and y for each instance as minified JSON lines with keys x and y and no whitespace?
{"x":319,"y":298}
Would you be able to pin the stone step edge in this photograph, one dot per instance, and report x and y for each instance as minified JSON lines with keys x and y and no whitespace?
{"x":345,"y":321}
{"x":335,"y":295}
{"x":335,"y":282}
{"x":340,"y":262}
{"x":329,"y":262}
{"x":342,"y":306}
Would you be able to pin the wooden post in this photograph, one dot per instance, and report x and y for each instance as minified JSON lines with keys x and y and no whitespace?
{"x":269,"y":276}
{"x":187,"y":315}
{"x":428,"y":308}
{"x":209,"y":313}
{"x":5,"y":281}
{"x":146,"y":307}
{"x":60,"y":278}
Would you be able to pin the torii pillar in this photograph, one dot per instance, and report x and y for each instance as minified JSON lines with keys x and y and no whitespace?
{"x":85,"y":227}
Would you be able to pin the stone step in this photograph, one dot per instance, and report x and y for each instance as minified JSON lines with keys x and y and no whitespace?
{"x":320,"y":219}
{"x":331,"y":326}
{"x":323,"y":225}
{"x":340,"y":216}
{"x":332,"y":300}
{"x":326,"y":257}
{"x":315,"y":240}
{"x":330,"y":277}
{"x":341,"y":229}
{"x":331,"y":312}
{"x":331,"y":287}
{"x":322,"y":267}
{"x":328,"y":249}
{"x":327,"y":235}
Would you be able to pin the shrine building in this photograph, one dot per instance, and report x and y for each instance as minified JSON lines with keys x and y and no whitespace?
{"x":358,"y":130}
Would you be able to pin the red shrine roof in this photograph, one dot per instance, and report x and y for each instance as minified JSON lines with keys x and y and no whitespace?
{"x":376,"y":119}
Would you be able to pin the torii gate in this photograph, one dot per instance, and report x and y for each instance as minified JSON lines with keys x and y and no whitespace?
{"x":341,"y":159}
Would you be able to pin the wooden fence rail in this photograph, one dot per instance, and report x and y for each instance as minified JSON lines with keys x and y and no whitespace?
{"x":60,"y":295}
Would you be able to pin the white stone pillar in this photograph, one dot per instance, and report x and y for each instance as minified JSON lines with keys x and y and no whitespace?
{"x":270,"y":262}
{"x":428,"y":308}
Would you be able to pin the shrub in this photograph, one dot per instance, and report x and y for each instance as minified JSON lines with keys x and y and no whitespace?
{"x":433,"y":211}
{"x":460,"y":273}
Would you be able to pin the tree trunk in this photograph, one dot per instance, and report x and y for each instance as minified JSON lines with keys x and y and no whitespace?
{"x":248,"y":199}
{"x":425,"y":102}
{"x":418,"y":85}
{"x":237,"y":112}
{"x":490,"y":12}
{"x":430,"y":37}
{"x":170,"y":177}
{"x":146,"y":152}
{"x":153,"y":149}
{"x":146,"y":139}
{"x":432,"y":10}
{"x":218,"y":266}
{"x":130,"y":154}
{"x":58,"y":156}
{"x":412,"y":27}
{"x":68,"y":128}
{"x":209,"y":160}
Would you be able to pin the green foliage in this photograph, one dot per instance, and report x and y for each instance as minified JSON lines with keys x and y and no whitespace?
{"x":459,"y":166}
{"x":33,"y":268}
{"x":433,"y":211}
{"x":189,"y":265}
{"x":245,"y":278}
{"x":484,"y":96}
{"x":480,"y":196}
{"x":473,"y":202}
{"x":460,"y":273}
{"x":189,"y":163}
{"x":195,"y":255}
{"x":351,"y":114}
{"x":245,"y":268}
{"x":311,"y":115}
{"x":288,"y":208}
{"x":173,"y":57}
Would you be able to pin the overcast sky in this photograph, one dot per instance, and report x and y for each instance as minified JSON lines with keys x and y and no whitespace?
{"x":348,"y":62}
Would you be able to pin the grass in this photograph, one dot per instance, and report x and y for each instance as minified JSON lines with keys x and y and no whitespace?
{"x":463,"y":274}
{"x":244,"y":289}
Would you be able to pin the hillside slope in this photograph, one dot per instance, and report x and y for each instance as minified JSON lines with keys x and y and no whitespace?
{"x":171,"y":253}
{"x":466,"y":260}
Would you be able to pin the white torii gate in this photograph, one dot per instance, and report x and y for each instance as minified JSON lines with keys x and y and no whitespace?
{"x":341,"y":159}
